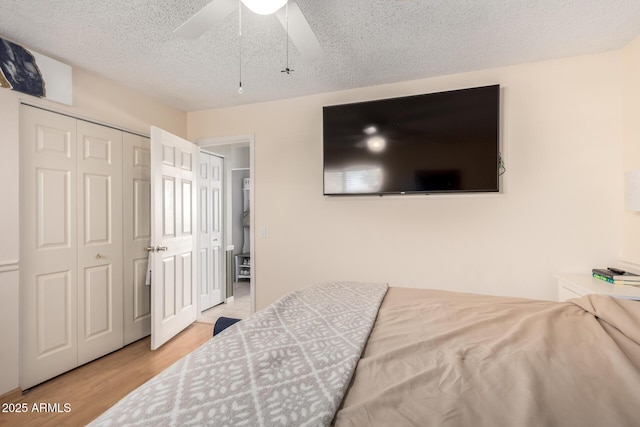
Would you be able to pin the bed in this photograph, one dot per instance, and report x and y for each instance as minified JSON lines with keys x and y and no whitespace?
{"x":355,"y":354}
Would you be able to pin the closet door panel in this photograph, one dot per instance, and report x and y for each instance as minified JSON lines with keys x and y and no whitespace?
{"x":48,"y":245}
{"x":100,"y":262}
{"x":137,"y":235}
{"x":98,"y":289}
{"x":53,"y":187}
{"x":210,"y":230}
{"x":53,"y":308}
{"x":215,"y":244}
{"x":97,"y":198}
{"x":204,"y":233}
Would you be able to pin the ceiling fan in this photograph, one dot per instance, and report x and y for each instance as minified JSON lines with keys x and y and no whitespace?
{"x":290,"y":17}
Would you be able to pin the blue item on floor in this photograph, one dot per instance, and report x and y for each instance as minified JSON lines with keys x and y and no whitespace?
{"x":223,"y":323}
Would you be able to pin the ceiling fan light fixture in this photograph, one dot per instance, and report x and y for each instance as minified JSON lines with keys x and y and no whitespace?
{"x":264,"y":7}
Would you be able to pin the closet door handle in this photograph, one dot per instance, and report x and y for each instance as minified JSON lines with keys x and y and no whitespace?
{"x":161,"y":248}
{"x":98,"y":256}
{"x":150,"y":249}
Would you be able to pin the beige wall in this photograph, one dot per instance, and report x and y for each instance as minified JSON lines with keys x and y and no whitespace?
{"x":559,"y":209}
{"x":93,"y":98}
{"x":631,"y":145}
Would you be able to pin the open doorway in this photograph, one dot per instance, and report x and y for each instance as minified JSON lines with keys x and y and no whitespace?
{"x":237,"y":232}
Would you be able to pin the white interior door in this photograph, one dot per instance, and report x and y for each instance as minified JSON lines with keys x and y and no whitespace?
{"x":174,"y":287}
{"x":210,"y":227}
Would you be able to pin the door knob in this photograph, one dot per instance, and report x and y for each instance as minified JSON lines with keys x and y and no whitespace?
{"x":150,"y":249}
{"x":161,"y":248}
{"x":98,"y":256}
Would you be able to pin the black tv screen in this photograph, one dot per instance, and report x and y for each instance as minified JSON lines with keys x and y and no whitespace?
{"x":444,"y":142}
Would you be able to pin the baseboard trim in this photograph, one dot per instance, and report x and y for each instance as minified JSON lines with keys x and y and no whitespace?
{"x":14,"y":394}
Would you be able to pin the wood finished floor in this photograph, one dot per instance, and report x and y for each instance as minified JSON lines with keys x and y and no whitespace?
{"x":93,"y":388}
{"x":240,"y":308}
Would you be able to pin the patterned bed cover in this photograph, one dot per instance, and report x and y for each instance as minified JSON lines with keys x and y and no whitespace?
{"x":289,"y":364}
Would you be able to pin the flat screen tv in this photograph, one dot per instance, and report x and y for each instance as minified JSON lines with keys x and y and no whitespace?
{"x":444,"y":142}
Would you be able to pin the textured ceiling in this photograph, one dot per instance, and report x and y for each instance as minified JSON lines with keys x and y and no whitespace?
{"x":366,"y":42}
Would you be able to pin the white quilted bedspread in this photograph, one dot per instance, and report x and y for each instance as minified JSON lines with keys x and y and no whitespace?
{"x":287,"y":365}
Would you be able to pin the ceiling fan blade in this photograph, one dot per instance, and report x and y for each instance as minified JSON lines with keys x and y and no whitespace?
{"x":204,"y":19}
{"x":300,"y":32}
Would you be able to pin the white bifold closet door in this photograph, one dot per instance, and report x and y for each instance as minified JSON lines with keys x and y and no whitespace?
{"x":75,"y":254}
{"x":48,"y":246}
{"x":210,"y":183}
{"x":100,"y":305}
{"x":136,"y":196}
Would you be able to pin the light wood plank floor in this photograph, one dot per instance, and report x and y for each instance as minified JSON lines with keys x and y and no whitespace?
{"x":93,"y":388}
{"x":240,"y":308}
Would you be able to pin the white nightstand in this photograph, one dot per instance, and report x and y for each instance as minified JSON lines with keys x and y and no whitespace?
{"x":577,"y":285}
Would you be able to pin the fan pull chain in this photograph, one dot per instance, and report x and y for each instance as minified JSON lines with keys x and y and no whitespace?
{"x":240,"y":46}
{"x":286,"y":15}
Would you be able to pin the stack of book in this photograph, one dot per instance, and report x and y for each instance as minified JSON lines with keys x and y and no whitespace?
{"x":616,"y":276}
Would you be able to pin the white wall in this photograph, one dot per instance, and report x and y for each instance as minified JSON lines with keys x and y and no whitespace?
{"x":93,"y":98}
{"x":559,"y":209}
{"x":241,"y":157}
{"x":631,"y":146}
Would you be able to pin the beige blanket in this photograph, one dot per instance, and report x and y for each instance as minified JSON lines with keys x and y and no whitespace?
{"x":437,"y":358}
